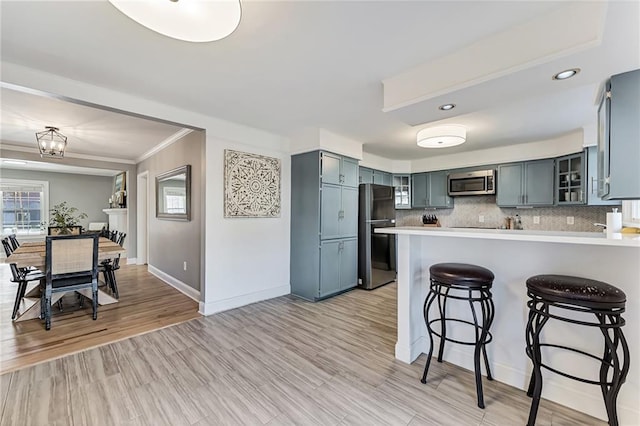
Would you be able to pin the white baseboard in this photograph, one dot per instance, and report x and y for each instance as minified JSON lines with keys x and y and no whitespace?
{"x":568,"y":393}
{"x":409,"y":354}
{"x":132,"y":261}
{"x":175,"y":283}
{"x":216,"y":306}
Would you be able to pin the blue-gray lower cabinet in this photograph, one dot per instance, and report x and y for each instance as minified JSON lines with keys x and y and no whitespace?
{"x":338,"y":266}
{"x":324,"y":224}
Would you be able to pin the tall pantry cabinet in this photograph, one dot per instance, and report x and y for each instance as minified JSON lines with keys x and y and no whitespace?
{"x":324,"y":224}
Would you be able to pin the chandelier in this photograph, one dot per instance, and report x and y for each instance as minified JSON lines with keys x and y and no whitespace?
{"x":51,"y":142}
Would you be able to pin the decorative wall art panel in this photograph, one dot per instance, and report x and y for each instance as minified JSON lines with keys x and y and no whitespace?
{"x":251,"y":185}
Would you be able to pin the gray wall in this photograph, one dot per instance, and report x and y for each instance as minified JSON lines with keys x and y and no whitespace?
{"x":96,"y":164}
{"x":173,"y":242}
{"x":89,"y":194}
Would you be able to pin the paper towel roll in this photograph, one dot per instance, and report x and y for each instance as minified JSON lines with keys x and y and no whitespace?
{"x":614,"y":222}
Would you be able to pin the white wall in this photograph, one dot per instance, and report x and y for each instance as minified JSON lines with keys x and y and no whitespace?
{"x":313,"y":139}
{"x":246,"y":260}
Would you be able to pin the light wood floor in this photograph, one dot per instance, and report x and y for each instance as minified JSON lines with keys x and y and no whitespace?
{"x":278,"y":362}
{"x":146,"y":304}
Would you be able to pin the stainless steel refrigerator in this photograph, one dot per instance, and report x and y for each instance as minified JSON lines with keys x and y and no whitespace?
{"x":376,"y":252}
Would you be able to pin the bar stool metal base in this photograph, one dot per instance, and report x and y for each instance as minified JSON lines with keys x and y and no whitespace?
{"x":613,"y":369}
{"x":477,"y":293}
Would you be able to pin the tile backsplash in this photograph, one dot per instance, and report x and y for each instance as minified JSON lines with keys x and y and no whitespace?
{"x":467,"y":210}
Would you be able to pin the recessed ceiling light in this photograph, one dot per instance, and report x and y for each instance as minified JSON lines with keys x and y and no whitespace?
{"x":442,"y":136}
{"x":563,"y":75}
{"x":195,"y":21}
{"x":447,"y":107}
{"x":17,"y":162}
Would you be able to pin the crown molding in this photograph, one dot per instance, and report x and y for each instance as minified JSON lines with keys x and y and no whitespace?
{"x":165,"y":143}
{"x":20,"y":148}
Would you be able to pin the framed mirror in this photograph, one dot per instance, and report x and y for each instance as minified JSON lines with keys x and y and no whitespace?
{"x":173,"y":194}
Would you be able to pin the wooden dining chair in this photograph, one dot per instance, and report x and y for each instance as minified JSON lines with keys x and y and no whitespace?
{"x":71,"y":264}
{"x":22,"y":277}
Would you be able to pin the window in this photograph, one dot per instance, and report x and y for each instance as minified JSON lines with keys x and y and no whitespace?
{"x":25,"y":206}
{"x":631,"y":212}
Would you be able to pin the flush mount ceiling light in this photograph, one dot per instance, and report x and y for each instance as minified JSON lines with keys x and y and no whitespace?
{"x":447,"y":107}
{"x":442,"y":136}
{"x":188,"y":20}
{"x":51,"y":143}
{"x":563,"y":75}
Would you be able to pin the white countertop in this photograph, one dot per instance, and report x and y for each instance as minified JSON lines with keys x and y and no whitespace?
{"x":590,"y":238}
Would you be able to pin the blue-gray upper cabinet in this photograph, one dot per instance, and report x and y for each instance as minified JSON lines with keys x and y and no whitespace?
{"x":571,"y":178}
{"x":402,"y":191}
{"x":381,"y":178}
{"x":339,"y":170}
{"x":530,"y":183}
{"x":619,"y":138}
{"x":592,"y":180}
{"x":366,"y":175}
{"x":429,"y":190}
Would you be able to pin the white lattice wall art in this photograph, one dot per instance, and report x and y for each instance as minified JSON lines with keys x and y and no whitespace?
{"x":251,"y":185}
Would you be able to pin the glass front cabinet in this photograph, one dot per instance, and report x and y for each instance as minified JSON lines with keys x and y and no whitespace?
{"x":570,"y":179}
{"x":402,"y":190}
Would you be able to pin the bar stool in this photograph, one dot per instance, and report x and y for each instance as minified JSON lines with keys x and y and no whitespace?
{"x":466,"y":282}
{"x":582,"y":295}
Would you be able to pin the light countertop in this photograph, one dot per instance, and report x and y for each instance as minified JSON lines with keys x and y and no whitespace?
{"x":590,"y":238}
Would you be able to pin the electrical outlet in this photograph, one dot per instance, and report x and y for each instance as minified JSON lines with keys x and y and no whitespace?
{"x":481,"y":219}
{"x":184,"y":265}
{"x":570,"y":220}
{"x":536,"y":220}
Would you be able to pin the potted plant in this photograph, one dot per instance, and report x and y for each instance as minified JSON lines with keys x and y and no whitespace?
{"x":64,"y":217}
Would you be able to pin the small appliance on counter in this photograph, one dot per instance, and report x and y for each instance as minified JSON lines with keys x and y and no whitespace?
{"x":376,"y":252}
{"x":430,"y":220}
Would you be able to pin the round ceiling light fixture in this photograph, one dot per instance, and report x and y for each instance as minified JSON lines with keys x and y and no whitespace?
{"x":442,"y":136}
{"x":563,"y":75}
{"x":196,"y":21}
{"x":446,"y":107}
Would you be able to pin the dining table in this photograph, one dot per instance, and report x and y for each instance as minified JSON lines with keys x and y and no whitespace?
{"x":32,"y":254}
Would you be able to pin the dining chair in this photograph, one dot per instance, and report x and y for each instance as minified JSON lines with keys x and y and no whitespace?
{"x":22,"y":278}
{"x":14,"y":241}
{"x":8,"y":250}
{"x":109,"y":267}
{"x":71,"y":264}
{"x":113,"y":236}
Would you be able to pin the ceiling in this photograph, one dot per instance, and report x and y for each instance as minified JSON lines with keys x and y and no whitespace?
{"x":292,"y":65}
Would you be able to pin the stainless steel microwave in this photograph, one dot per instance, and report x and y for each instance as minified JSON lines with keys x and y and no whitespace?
{"x":480,"y":182}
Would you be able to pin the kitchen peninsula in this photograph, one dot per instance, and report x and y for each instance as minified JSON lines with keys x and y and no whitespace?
{"x":514,"y":256}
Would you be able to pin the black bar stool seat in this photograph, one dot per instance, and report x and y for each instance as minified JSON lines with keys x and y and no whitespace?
{"x":465,"y":282}
{"x":586,"y":296}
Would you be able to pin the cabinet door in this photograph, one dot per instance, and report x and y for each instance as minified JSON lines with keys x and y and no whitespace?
{"x":419,"y":190}
{"x":383,"y":178}
{"x":350,"y":172}
{"x":592,"y":180}
{"x":349,"y":215}
{"x":366,"y":175}
{"x":510,"y":177}
{"x":539,"y":182}
{"x":349,"y":264}
{"x":330,"y":208}
{"x":437,"y":193}
{"x":330,"y":254}
{"x":330,"y":168}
